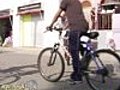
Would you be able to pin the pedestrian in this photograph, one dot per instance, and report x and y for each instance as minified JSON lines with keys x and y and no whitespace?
{"x":8,"y":40}
{"x":77,"y":25}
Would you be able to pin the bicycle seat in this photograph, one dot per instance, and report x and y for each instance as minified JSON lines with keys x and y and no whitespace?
{"x":91,"y":35}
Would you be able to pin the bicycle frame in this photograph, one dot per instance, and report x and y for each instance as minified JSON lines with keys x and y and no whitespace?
{"x":60,"y":43}
{"x":90,"y":51}
{"x":94,"y":67}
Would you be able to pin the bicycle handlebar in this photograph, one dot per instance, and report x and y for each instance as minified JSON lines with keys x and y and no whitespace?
{"x":91,"y":35}
{"x":54,"y":28}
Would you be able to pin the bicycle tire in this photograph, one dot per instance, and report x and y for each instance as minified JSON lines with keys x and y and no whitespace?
{"x":93,"y":80}
{"x":55,"y":70}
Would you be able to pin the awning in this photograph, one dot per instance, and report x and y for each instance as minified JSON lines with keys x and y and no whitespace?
{"x":5,"y":16}
{"x":110,"y":5}
{"x":34,"y":8}
{"x":5,"y":13}
{"x":36,"y":11}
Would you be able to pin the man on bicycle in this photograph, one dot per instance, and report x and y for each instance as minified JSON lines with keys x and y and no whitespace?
{"x":77,"y":25}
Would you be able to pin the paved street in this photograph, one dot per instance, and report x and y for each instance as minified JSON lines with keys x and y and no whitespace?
{"x":18,"y":67}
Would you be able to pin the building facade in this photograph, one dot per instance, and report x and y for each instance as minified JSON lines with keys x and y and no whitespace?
{"x":27,"y":19}
{"x":108,"y":24}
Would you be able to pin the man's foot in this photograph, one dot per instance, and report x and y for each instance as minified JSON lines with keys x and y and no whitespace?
{"x":73,"y":82}
{"x":76,"y":78}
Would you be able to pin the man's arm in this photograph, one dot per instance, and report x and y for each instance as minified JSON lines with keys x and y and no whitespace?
{"x":57,"y":15}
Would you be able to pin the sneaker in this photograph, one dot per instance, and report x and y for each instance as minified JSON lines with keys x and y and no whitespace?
{"x":73,"y":82}
{"x":76,"y":77}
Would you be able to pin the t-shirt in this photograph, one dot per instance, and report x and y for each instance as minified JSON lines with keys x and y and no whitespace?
{"x":74,"y":14}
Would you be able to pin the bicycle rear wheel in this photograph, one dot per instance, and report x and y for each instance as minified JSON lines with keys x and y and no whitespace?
{"x":51,"y":64}
{"x":107,"y":78}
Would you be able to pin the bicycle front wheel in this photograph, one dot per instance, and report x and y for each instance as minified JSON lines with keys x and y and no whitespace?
{"x":51,"y":64}
{"x":108,"y":77}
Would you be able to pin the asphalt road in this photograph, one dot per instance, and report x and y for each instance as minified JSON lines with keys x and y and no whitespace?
{"x":18,"y":68}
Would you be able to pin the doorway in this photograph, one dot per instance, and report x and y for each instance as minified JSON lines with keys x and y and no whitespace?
{"x":5,"y":28}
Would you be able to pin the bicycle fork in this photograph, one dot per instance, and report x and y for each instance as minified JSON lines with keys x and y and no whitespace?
{"x":101,"y":69}
{"x":53,"y":55}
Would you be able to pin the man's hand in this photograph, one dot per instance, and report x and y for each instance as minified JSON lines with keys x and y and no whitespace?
{"x":49,"y":28}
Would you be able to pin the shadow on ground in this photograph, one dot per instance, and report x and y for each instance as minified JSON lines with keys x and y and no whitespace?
{"x":64,"y":84}
{"x":14,"y":74}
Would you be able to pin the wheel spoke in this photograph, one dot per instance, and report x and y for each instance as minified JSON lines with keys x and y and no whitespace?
{"x":105,"y":77}
{"x":51,"y":65}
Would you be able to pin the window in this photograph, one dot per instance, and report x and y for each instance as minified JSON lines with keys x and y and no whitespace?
{"x":104,"y":21}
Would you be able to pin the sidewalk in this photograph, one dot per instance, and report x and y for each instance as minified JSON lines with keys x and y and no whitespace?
{"x":21,"y":63}
{"x":27,"y":49}
{"x":31,"y":50}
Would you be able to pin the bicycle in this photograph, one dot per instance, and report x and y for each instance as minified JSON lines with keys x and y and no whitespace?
{"x":99,"y":67}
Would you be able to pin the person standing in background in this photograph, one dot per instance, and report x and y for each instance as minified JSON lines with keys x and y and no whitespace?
{"x":8,"y":40}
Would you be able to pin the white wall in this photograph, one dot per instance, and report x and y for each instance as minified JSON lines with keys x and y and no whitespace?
{"x":104,"y":38}
{"x":51,"y":8}
{"x":116,"y":30}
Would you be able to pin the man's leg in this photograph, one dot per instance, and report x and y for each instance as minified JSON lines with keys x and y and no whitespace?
{"x":74,"y":50}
